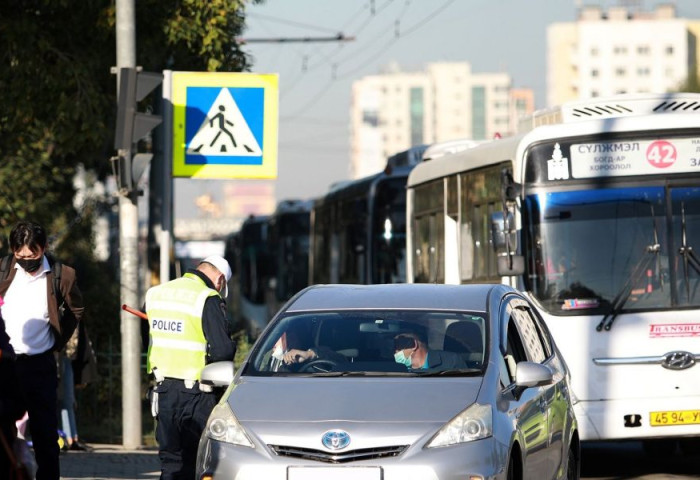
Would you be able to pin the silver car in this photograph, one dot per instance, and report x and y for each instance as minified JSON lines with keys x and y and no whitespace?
{"x":396,"y":382}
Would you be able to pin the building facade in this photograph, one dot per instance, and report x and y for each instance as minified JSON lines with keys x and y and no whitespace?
{"x":619,"y":50}
{"x":395,"y":110}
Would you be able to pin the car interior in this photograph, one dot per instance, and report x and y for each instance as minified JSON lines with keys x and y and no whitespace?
{"x":363,"y":341}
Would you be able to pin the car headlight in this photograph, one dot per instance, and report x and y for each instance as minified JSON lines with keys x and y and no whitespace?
{"x":474,"y":423}
{"x":224,"y":427}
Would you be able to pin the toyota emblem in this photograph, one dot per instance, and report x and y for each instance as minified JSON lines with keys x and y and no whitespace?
{"x":678,"y":360}
{"x":335,"y":439}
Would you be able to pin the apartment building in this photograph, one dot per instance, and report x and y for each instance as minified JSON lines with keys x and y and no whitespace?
{"x":620,"y":50}
{"x":396,"y":109}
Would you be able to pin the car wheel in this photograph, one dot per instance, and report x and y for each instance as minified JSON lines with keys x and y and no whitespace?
{"x":573,"y":467}
{"x":511,"y":469}
{"x":513,"y":472}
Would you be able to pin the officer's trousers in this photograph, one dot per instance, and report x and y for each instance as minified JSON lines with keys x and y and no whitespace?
{"x":182,"y":416}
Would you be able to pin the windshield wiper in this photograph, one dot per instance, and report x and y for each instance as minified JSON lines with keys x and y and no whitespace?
{"x":626,"y":290}
{"x":689,"y":257}
{"x":639,"y":270}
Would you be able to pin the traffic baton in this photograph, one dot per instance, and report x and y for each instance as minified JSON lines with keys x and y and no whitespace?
{"x":133,"y":311}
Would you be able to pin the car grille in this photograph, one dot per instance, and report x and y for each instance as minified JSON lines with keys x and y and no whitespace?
{"x":349,"y":456}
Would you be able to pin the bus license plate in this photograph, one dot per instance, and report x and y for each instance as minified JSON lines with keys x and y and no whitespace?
{"x":674,"y":417}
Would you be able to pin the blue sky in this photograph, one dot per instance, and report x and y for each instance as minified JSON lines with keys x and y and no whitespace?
{"x":315,"y":78}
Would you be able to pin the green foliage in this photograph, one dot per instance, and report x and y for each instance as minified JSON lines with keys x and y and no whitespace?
{"x":690,"y":84}
{"x":243,"y":346}
{"x":58,"y":114}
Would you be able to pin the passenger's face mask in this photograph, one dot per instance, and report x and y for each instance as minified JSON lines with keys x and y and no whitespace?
{"x":399,"y":357}
{"x":30,"y":265}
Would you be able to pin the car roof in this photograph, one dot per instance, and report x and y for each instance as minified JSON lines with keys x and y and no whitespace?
{"x":423,"y":296}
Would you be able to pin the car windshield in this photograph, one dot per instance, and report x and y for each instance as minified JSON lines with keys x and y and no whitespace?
{"x":356,"y":343}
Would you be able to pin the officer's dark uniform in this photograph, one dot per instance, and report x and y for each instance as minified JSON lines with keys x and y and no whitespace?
{"x":182,"y":408}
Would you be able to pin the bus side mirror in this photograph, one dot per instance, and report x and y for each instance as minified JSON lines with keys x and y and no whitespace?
{"x":511,"y":265}
{"x":501,"y":226}
{"x":505,"y":243}
{"x":498,"y":235}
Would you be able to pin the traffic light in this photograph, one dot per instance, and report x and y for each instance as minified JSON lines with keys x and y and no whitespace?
{"x":132,"y":126}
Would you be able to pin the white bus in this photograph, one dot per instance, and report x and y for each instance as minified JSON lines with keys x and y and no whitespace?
{"x":594,"y":212}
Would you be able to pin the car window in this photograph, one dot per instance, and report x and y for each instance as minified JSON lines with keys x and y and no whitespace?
{"x":364,"y":341}
{"x":531,"y":336}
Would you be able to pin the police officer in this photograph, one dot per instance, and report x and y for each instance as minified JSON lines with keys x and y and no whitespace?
{"x":188,"y":328}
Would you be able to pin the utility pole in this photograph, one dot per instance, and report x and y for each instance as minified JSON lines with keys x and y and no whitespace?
{"x":128,"y":255}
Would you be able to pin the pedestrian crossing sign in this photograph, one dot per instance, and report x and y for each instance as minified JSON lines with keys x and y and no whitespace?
{"x":224,"y":125}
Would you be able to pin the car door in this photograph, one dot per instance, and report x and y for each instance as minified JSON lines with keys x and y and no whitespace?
{"x":538,"y":346}
{"x":558,"y":404}
{"x":523,"y":344}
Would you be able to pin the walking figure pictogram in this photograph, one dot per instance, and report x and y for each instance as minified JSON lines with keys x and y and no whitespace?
{"x":222,"y":128}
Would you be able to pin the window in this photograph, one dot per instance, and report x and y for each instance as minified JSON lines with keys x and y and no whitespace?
{"x":534,"y":335}
{"x":481,"y":195}
{"x":370,"y":117}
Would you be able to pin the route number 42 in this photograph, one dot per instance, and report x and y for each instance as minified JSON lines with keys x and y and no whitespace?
{"x":661,"y":154}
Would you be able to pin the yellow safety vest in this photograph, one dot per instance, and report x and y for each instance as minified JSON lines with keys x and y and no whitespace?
{"x":177,"y":346}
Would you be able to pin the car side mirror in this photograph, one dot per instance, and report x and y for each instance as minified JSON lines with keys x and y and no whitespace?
{"x":217,"y":374}
{"x":530,"y":374}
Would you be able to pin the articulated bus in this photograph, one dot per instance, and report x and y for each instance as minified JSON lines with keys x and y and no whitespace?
{"x":247,"y":253}
{"x":594,"y":212}
{"x":288,"y":244}
{"x":269,"y":257}
{"x":358,"y":228}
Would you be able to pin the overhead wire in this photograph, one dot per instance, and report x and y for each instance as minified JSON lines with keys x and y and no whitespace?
{"x":364,"y":61}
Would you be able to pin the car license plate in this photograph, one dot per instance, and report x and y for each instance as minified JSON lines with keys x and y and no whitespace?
{"x":674,"y":417}
{"x":334,"y":473}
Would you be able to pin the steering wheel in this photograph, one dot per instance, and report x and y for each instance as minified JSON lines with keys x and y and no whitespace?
{"x":320,"y":365}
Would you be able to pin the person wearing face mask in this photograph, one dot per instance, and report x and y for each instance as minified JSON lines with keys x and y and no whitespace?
{"x":40,"y":316}
{"x":410,"y":350}
{"x":188,"y":329}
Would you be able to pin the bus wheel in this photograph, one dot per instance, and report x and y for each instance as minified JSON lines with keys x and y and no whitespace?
{"x":689,"y":446}
{"x":660,"y":447}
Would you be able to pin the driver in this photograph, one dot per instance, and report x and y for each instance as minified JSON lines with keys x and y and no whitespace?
{"x":295,"y":355}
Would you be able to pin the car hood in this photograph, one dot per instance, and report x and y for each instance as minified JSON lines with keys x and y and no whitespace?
{"x":381,"y":399}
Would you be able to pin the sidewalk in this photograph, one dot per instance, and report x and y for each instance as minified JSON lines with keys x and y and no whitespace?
{"x":107,"y":462}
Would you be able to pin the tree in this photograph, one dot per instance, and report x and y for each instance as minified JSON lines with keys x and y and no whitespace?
{"x":691,"y":83}
{"x":59,"y":109}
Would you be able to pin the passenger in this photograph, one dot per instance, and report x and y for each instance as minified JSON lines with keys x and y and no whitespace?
{"x":410,"y":350}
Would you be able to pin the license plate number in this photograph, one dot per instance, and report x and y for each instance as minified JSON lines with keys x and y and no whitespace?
{"x":334,"y":473}
{"x":674,"y":417}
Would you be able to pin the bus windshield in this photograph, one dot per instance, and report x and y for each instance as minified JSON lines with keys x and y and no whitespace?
{"x":617,"y":249}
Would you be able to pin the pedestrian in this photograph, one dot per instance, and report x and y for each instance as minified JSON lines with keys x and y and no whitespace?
{"x":76,"y":366}
{"x":43,"y":305}
{"x":188,"y":329}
